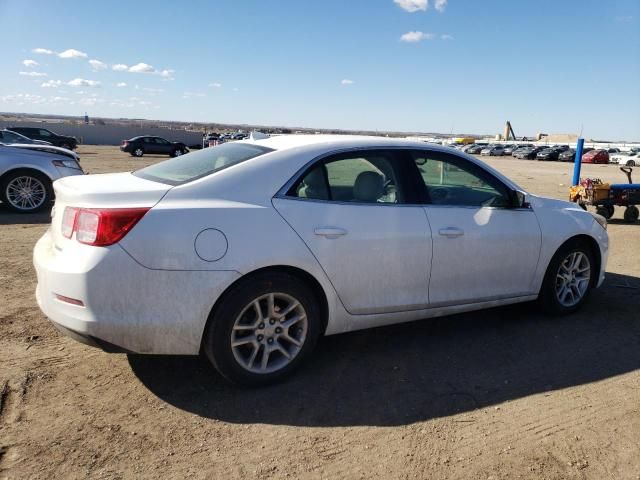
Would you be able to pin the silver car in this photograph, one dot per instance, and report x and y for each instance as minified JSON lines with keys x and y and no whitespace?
{"x":27,"y":174}
{"x":7,"y":137}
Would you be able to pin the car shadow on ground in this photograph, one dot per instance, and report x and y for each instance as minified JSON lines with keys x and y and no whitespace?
{"x":8,"y":217}
{"x":417,"y":371}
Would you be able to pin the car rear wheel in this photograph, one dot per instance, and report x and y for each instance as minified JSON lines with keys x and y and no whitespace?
{"x":263,"y":328}
{"x":26,"y":192}
{"x":631,"y":214}
{"x":631,"y":163}
{"x":568,"y":279}
{"x":137,"y":152}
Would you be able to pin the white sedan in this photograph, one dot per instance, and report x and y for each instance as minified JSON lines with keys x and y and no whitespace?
{"x":249,"y":251}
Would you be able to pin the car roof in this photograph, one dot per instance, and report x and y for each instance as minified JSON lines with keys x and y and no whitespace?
{"x":336,"y":142}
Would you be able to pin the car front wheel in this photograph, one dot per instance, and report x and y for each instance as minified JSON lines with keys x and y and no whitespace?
{"x":568,"y":279}
{"x":26,"y":192}
{"x":263,"y":328}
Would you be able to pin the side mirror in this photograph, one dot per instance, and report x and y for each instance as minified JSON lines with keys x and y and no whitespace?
{"x":520,"y":199}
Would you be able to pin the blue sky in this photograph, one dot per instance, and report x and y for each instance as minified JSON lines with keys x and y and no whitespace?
{"x":547,"y":65}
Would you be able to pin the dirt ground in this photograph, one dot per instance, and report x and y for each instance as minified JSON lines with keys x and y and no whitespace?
{"x":500,"y":394}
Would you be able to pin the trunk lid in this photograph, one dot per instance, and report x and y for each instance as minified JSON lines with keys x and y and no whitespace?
{"x":111,"y":190}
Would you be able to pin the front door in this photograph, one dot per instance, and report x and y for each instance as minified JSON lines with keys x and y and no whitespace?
{"x":350,"y":210}
{"x":483,"y":248}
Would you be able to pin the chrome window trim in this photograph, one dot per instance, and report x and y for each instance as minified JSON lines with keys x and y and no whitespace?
{"x":282,"y":193}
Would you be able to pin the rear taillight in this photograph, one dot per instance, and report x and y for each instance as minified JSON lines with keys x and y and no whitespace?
{"x":69,"y":221}
{"x":125,"y":143}
{"x":100,"y":226}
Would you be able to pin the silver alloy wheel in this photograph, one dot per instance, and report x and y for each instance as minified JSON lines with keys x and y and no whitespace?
{"x":26,"y":193}
{"x":138,"y":152}
{"x":177,"y":153}
{"x":572,"y":279}
{"x":269,"y":333}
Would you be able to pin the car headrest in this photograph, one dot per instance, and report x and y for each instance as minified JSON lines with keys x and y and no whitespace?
{"x":368,"y":187}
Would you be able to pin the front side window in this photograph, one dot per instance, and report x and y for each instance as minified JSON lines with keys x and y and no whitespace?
{"x":452,"y":181}
{"x":192,"y":166}
{"x":161,"y":141}
{"x":360,"y":177}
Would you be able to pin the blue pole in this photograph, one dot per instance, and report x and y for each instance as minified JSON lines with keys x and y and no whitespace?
{"x":577,"y":164}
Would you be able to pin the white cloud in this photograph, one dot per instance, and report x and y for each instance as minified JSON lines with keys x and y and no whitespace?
{"x":142,"y":68}
{"x":215,"y":85}
{"x":51,"y":84}
{"x":72,"y":53}
{"x":193,"y":94}
{"x":446,"y":36}
{"x":97,"y":65}
{"x":43,"y":51}
{"x":441,"y":5}
{"x":121,"y":84}
{"x":120,"y":67}
{"x":30,"y":63}
{"x":412,"y":37}
{"x":33,"y":74}
{"x":412,"y":6}
{"x":151,"y":91}
{"x":146,"y":68}
{"x":346,"y":81}
{"x":81,"y":82}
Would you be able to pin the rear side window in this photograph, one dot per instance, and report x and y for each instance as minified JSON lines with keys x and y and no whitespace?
{"x":192,"y":166}
{"x":359,"y":177}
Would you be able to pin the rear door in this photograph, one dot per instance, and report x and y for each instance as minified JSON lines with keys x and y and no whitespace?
{"x":483,"y":249}
{"x":352,"y":212}
{"x":150,"y":146}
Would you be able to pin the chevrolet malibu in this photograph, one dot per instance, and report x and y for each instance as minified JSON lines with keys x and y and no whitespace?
{"x":249,"y":251}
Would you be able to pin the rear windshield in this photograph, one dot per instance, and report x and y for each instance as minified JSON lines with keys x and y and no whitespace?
{"x":192,"y":166}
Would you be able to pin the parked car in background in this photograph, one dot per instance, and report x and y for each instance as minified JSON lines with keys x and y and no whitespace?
{"x":152,"y":145}
{"x":127,"y":279}
{"x":7,"y":137}
{"x":49,"y":149}
{"x":493,"y":150}
{"x":476,"y":148}
{"x":27,"y":175}
{"x":549,"y":154}
{"x":70,"y":143}
{"x":509,"y":149}
{"x":613,"y":150}
{"x":596,"y":156}
{"x":569,"y":155}
{"x":528,"y":153}
{"x":630,"y":159}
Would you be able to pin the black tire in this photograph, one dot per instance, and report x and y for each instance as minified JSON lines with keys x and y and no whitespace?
{"x":43,"y":179}
{"x":177,"y":152}
{"x":137,"y":152}
{"x":631,"y":163}
{"x":631,"y":214}
{"x":548,"y":298}
{"x":216,"y":342}
{"x":606,"y":211}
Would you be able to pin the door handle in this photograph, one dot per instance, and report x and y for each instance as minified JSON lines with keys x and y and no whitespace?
{"x":451,"y":232}
{"x":330,"y":232}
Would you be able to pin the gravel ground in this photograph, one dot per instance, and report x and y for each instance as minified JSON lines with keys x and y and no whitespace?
{"x":499,"y":394}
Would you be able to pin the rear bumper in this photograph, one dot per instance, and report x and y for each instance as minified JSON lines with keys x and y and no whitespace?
{"x":126,"y":307}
